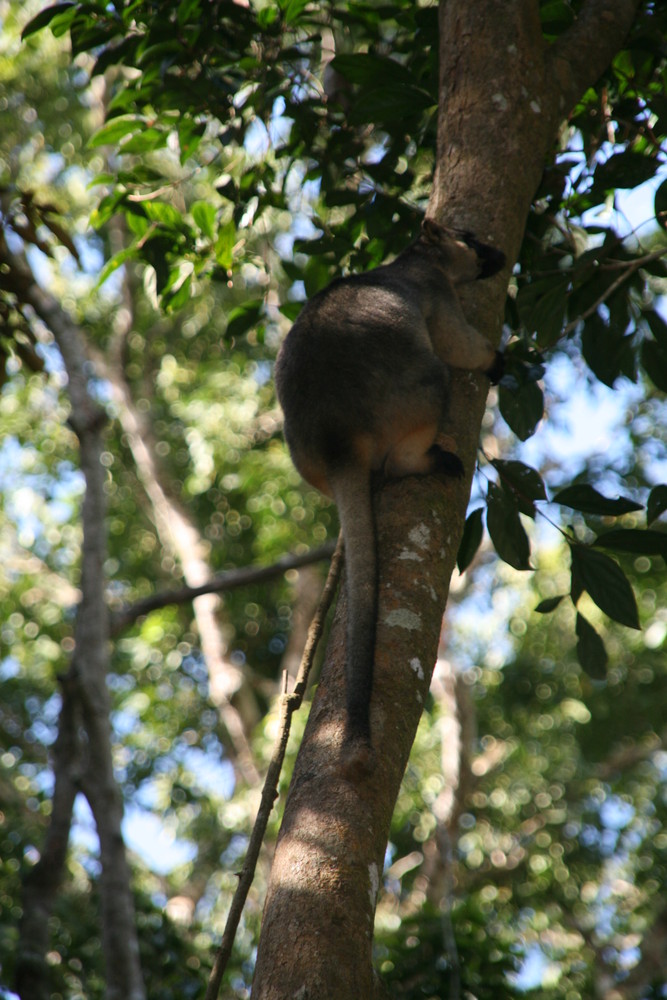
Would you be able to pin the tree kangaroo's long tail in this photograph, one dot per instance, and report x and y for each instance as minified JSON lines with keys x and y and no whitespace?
{"x":352,"y":493}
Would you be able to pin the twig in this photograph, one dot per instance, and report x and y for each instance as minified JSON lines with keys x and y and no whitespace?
{"x":289,"y":703}
{"x":170,"y":185}
{"x":225,"y":581}
{"x":632,"y":267}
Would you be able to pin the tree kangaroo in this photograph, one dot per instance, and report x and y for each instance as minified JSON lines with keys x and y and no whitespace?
{"x":363,"y":382}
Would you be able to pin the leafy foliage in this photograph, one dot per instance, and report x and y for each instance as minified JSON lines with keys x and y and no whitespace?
{"x":221,"y":82}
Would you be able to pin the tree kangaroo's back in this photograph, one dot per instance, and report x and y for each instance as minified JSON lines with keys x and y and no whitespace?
{"x":363,"y":381}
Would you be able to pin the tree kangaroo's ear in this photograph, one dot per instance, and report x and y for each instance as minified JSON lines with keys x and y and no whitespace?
{"x":432,"y":230}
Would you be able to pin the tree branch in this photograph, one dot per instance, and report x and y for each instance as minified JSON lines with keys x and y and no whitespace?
{"x":234,"y":578}
{"x":583,"y":52}
{"x":630,"y":268}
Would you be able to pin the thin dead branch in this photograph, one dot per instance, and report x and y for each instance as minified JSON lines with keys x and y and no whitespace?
{"x":231,"y":580}
{"x":630,"y":269}
{"x":289,"y":703}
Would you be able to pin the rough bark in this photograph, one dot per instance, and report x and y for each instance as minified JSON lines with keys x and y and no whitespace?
{"x":503,"y":94}
{"x":289,"y":703}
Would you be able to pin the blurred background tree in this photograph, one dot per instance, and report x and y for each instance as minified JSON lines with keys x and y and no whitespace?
{"x":233,"y":159}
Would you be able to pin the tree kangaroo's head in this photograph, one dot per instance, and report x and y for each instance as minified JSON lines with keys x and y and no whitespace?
{"x":460,"y":255}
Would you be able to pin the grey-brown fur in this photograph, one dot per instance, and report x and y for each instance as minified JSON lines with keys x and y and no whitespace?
{"x":362,"y":378}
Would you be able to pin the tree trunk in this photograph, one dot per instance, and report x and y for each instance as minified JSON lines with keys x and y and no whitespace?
{"x":503,"y":94}
{"x":179,"y":535}
{"x":83,"y":750}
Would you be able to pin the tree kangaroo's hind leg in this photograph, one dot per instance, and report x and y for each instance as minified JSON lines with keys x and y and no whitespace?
{"x":418,"y":445}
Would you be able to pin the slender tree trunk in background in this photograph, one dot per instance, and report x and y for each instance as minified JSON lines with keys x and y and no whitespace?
{"x":83,"y":749}
{"x":180,"y":537}
{"x":503,"y":94}
{"x":41,"y":883}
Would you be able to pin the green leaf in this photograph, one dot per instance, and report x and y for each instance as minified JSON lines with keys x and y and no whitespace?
{"x":190,"y":134}
{"x":46,"y":16}
{"x":292,"y":9}
{"x":291,"y":310}
{"x":549,"y":604}
{"x":242,"y":318}
{"x":164,"y":52}
{"x":115,"y":55}
{"x":114,"y":263}
{"x":654,"y":361}
{"x":188,"y":10}
{"x":266,"y":16}
{"x":605,"y":583}
{"x":103,"y":178}
{"x":587,"y":500}
{"x":607,"y":355}
{"x":224,"y":245}
{"x":624,"y":170}
{"x":525,"y":481}
{"x":542,"y":305}
{"x":521,"y":407}
{"x":136,"y":221}
{"x":657,"y":325}
{"x":392,"y":103}
{"x":158,"y":250}
{"x":203,"y":214}
{"x":371,"y":70}
{"x":173,"y":301}
{"x":507,"y":533}
{"x":165,"y":214}
{"x":637,"y":540}
{"x":661,"y":205}
{"x":145,"y":141}
{"x":470,"y":540}
{"x":590,"y":650}
{"x":111,"y":133}
{"x":107,"y":208}
{"x":657,"y":503}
